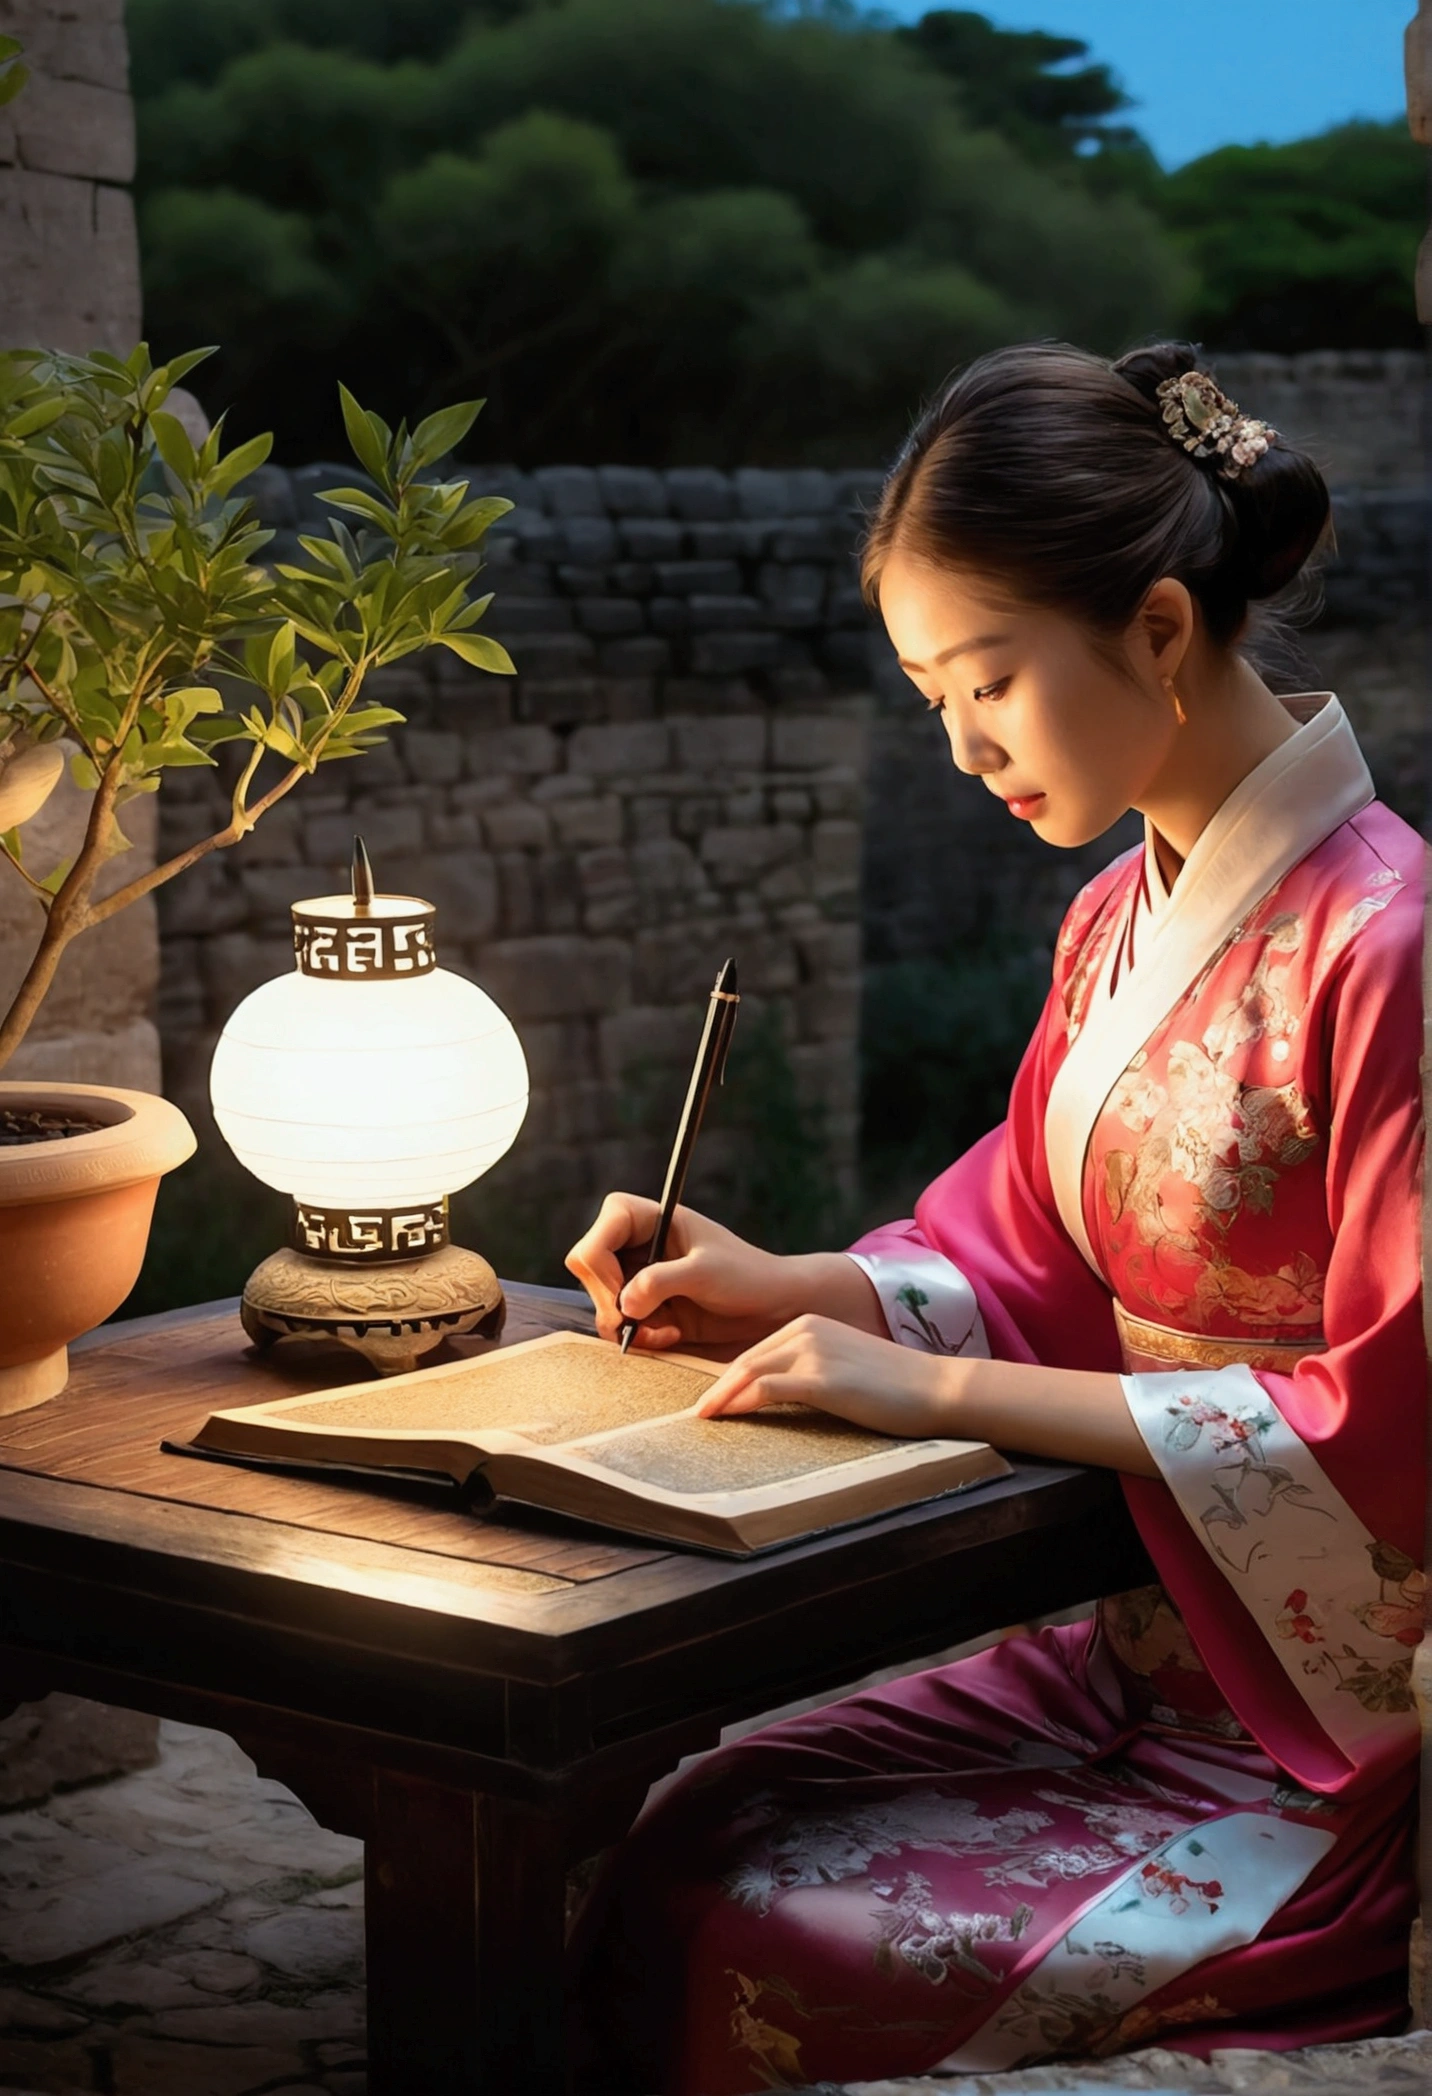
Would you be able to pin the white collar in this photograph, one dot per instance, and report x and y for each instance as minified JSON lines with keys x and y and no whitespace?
{"x":1300,"y":793}
{"x":1306,"y":708}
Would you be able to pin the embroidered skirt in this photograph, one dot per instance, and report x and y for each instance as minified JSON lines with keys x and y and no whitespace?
{"x":1062,"y":1846}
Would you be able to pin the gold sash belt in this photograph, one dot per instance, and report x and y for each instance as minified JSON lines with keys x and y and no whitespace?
{"x":1153,"y":1347}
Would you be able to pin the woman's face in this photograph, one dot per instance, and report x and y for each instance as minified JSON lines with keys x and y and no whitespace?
{"x":1055,"y":731}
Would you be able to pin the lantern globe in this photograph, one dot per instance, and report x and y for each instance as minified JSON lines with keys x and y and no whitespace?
{"x":351,"y":1094}
{"x":368,"y":1086}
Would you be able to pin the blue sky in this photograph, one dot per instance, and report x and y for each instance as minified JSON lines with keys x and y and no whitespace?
{"x":1211,"y":73}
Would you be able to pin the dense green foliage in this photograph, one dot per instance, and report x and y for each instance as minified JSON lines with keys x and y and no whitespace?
{"x":138,"y":628}
{"x":1305,"y":246}
{"x":1025,"y":83}
{"x":718,"y":230}
{"x":658,"y":229}
{"x":939,"y":1046}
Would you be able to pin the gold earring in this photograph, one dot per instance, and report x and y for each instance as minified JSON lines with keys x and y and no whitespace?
{"x":1178,"y":713}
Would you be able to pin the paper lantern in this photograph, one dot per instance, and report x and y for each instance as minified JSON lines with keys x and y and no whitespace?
{"x":369,"y":1085}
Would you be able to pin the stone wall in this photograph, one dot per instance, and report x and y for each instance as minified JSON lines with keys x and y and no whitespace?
{"x":1360,"y":413}
{"x":674,"y":775}
{"x":69,"y":255}
{"x":69,"y":262}
{"x":704,"y":731}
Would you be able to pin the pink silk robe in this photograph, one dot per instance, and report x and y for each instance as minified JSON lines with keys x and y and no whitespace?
{"x":1189,"y":1818}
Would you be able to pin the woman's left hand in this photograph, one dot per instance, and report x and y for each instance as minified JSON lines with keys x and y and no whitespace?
{"x":817,"y":1361}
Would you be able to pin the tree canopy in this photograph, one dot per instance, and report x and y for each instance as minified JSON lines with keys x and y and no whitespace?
{"x":1034,"y":87}
{"x":1305,"y":246}
{"x":650,"y":229}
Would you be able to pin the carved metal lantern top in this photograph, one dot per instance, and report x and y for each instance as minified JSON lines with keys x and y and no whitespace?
{"x":364,"y":936}
{"x":382,"y":941}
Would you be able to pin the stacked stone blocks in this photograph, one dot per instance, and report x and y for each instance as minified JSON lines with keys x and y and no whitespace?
{"x":687,"y":764}
{"x":674,"y":775}
{"x":67,"y":239}
{"x":69,"y":263}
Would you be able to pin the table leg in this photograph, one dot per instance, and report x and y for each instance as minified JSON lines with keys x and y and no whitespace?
{"x":464,"y":1916}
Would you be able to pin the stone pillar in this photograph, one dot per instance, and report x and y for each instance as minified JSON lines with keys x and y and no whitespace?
{"x":1419,"y":116}
{"x":69,"y":263}
{"x":69,"y":255}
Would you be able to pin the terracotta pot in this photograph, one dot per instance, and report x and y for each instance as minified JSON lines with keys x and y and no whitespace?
{"x":74,"y":1222}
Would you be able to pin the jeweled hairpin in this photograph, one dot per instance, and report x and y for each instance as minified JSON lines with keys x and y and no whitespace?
{"x":1206,"y":423}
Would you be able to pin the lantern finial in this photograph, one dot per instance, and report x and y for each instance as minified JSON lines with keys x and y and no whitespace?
{"x":362,"y":877}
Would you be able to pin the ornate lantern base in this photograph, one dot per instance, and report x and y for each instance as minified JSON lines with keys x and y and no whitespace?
{"x":390,"y":1286}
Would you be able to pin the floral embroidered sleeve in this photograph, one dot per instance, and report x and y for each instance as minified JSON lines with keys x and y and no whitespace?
{"x":928,"y":1303}
{"x":1302,"y":1492}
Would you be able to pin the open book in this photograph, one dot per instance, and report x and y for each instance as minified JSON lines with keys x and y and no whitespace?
{"x":568,"y":1423}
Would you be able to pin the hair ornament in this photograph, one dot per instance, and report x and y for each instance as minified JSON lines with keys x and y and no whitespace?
{"x":1206,"y":423}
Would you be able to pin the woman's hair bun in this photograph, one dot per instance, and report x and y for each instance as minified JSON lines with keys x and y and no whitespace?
{"x":1147,"y":368}
{"x":1282,"y":508}
{"x":1053,"y":473}
{"x":1279,"y":506}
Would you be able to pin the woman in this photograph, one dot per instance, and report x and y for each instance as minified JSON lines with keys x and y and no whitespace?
{"x":1191,"y":1253}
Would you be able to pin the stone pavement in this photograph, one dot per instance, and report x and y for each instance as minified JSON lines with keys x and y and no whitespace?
{"x":184,"y":1930}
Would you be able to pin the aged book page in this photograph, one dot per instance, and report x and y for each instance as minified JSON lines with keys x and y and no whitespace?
{"x":732,"y":1455}
{"x":547,"y":1390}
{"x":569,"y":1423}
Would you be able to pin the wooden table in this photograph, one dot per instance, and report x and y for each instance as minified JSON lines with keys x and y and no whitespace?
{"x":482,"y":1700}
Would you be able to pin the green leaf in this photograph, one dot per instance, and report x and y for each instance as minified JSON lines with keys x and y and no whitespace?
{"x":475,"y":519}
{"x":481,"y":651}
{"x":173,"y":751}
{"x":256,"y":658}
{"x":172,"y":442}
{"x":438,"y":434}
{"x":55,"y":879}
{"x":307,"y":580}
{"x":343,"y":537}
{"x":470,"y":613}
{"x":278,"y":668}
{"x":83,"y":772}
{"x":113,"y":464}
{"x":221,"y":730}
{"x":361,"y":505}
{"x":183,"y":707}
{"x":330,"y":554}
{"x":178,"y":368}
{"x":31,"y":420}
{"x":369,"y":436}
{"x":362,"y":720}
{"x":12,"y":76}
{"x":104,"y":361}
{"x":241,"y":461}
{"x":322,"y":633}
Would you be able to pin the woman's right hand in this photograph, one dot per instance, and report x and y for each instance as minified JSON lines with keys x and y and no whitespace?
{"x":711,"y":1289}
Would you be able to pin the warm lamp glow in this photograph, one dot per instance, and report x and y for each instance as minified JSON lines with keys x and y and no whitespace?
{"x":353,"y":1094}
{"x":368,"y":1086}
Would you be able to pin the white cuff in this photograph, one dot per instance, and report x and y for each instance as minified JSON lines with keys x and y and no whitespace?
{"x":928,"y":1303}
{"x":1340,"y":1608}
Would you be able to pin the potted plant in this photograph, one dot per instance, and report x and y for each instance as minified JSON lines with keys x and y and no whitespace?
{"x":139,"y":632}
